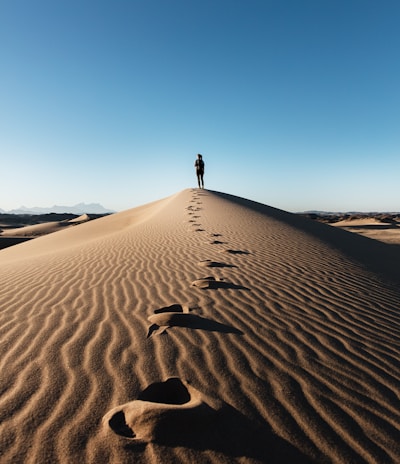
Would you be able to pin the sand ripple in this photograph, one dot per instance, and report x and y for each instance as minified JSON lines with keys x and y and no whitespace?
{"x":307,"y":366}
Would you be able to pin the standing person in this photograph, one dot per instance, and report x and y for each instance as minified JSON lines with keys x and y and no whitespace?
{"x":199,"y":165}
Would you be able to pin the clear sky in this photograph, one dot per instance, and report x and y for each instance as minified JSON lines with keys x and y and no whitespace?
{"x":293,"y":103}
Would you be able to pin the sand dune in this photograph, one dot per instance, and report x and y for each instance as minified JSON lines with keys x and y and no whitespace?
{"x":43,"y":228}
{"x":202,"y":328}
{"x":386,"y":232}
{"x":37,"y":229}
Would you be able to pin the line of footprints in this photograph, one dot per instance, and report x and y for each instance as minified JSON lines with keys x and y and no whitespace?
{"x":180,"y":316}
{"x":152,"y":417}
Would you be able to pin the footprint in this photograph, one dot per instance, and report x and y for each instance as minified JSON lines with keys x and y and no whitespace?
{"x":205,"y":282}
{"x":214,"y":235}
{"x":213,"y":283}
{"x":163,"y":321}
{"x":209,"y":263}
{"x":164,"y":411}
{"x":216,"y":242}
{"x":235,"y":252}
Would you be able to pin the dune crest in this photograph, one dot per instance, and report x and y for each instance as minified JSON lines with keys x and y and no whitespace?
{"x":276,"y":338}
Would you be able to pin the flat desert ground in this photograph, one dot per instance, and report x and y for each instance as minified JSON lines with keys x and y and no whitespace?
{"x":201,"y":328}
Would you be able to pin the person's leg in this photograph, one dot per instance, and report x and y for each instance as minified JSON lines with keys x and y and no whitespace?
{"x":198,"y":179}
{"x":202,"y":180}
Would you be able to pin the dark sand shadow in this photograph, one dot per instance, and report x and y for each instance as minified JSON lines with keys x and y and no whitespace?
{"x":209,"y":263}
{"x":213,"y":284}
{"x":6,"y":242}
{"x":173,"y":414}
{"x":231,"y":433}
{"x":190,"y":321}
{"x":175,"y":308}
{"x":235,"y":252}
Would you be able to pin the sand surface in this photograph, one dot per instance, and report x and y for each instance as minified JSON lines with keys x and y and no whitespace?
{"x":386,"y":232}
{"x":201,"y":328}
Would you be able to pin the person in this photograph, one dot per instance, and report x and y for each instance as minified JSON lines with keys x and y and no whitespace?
{"x":199,"y":165}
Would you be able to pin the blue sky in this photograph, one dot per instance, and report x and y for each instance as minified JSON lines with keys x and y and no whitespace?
{"x":293,"y":103}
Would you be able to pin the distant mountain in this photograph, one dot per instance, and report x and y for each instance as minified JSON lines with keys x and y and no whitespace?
{"x":80,"y":208}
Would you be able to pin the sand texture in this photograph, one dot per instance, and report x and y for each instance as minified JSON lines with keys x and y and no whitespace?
{"x":377,"y":229}
{"x":201,"y":328}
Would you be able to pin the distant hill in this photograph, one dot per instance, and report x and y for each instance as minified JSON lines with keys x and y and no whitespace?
{"x":80,"y":208}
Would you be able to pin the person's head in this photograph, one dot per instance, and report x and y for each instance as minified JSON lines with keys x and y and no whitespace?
{"x":199,"y":156}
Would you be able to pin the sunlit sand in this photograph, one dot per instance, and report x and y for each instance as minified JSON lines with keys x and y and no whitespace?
{"x":200,"y":328}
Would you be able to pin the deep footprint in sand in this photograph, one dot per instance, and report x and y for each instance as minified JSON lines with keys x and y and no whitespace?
{"x":210,"y":263}
{"x":206,"y":282}
{"x":162,"y":412}
{"x":235,"y":252}
{"x":163,"y":321}
{"x":213,"y":283}
{"x":179,"y":316}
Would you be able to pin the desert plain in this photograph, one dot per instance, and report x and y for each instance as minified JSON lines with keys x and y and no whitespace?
{"x":200,"y":328}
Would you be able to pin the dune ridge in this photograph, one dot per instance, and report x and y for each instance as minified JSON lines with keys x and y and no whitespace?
{"x":301,"y":346}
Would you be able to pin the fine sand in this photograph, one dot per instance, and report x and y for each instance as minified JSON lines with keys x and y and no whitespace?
{"x":201,"y":328}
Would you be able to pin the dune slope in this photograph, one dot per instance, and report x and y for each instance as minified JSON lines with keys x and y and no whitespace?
{"x":200,"y":328}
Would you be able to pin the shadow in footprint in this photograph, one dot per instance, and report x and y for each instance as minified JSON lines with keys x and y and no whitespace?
{"x":118,"y":424}
{"x":172,"y":391}
{"x":163,"y":321}
{"x":175,"y":308}
{"x":216,"y":242}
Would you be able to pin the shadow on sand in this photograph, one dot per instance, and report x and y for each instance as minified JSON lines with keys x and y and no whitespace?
{"x":378,"y":257}
{"x":189,"y":321}
{"x":229,"y":432}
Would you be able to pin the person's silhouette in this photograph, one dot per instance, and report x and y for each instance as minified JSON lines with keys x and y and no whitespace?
{"x":199,"y":165}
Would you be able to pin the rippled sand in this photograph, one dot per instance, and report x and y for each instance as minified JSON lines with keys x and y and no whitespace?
{"x":202,"y":328}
